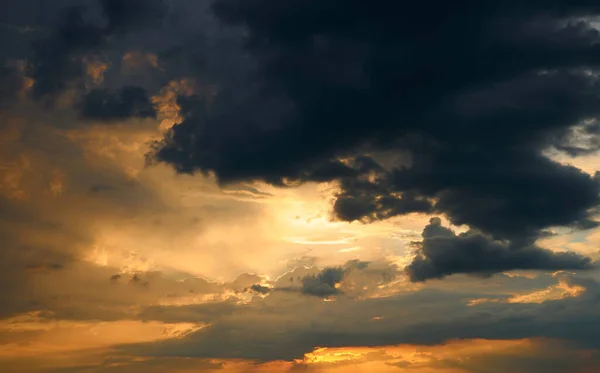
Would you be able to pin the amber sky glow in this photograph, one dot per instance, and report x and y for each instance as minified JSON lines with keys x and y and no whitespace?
{"x":207,"y":233}
{"x":242,"y":244}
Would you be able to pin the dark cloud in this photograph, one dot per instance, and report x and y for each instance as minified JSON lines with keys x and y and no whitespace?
{"x":443,"y":253}
{"x":324,"y":283}
{"x":328,"y":281}
{"x":260,"y":289}
{"x":57,"y":61}
{"x":12,"y":83}
{"x":124,"y":15}
{"x":127,"y":102}
{"x":475,"y":94}
{"x":352,"y":280}
{"x":370,"y":195}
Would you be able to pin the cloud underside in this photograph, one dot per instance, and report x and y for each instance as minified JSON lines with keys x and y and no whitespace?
{"x":443,"y":253}
{"x":441,"y":114}
{"x":58,"y":63}
{"x":427,"y":317}
{"x":444,"y":112}
{"x":449,"y":112}
{"x":128,"y":102}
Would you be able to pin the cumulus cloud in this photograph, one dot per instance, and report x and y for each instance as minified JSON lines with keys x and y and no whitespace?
{"x":475,"y":106}
{"x":443,"y":253}
{"x":400,"y":108}
{"x":353,"y":279}
{"x":260,"y":289}
{"x":324,"y":283}
{"x":58,"y":61}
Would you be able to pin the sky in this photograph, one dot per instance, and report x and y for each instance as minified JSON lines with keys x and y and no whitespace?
{"x":245,"y":186}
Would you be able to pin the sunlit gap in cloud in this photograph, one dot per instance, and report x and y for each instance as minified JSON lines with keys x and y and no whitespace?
{"x":283,"y":224}
{"x":113,"y":262}
{"x":455,"y":356}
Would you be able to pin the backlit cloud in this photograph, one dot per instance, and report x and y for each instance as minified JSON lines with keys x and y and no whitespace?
{"x":316,"y":186}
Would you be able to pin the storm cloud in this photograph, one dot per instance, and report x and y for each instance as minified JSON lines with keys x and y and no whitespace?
{"x":334,"y":129}
{"x":474,"y":94}
{"x":84,"y":29}
{"x":127,"y":102}
{"x":443,"y":253}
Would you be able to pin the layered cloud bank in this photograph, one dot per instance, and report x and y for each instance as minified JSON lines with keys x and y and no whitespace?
{"x":267,"y":186}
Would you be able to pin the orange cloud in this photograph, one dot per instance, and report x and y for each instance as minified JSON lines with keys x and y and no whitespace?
{"x":468,"y":356}
{"x":95,"y":69}
{"x":133,"y":60}
{"x":166,"y":101}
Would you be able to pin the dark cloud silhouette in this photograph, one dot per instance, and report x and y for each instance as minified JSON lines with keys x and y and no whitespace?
{"x":57,"y":59}
{"x":124,"y":15}
{"x":444,"y":109}
{"x":260,"y":289}
{"x":127,"y":102}
{"x":475,"y":94}
{"x":370,"y":195}
{"x":326,"y":282}
{"x":54,"y":63}
{"x":443,"y":253}
{"x":352,"y":280}
{"x":476,"y":105}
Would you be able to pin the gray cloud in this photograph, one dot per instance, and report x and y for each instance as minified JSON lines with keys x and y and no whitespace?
{"x":305,"y":95}
{"x":260,"y":289}
{"x":283,"y":326}
{"x":87,"y":29}
{"x":443,"y":253}
{"x":353,"y":279}
{"x":324,"y":283}
{"x":127,"y":102}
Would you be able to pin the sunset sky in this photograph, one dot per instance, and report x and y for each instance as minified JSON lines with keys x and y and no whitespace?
{"x":299,"y":186}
